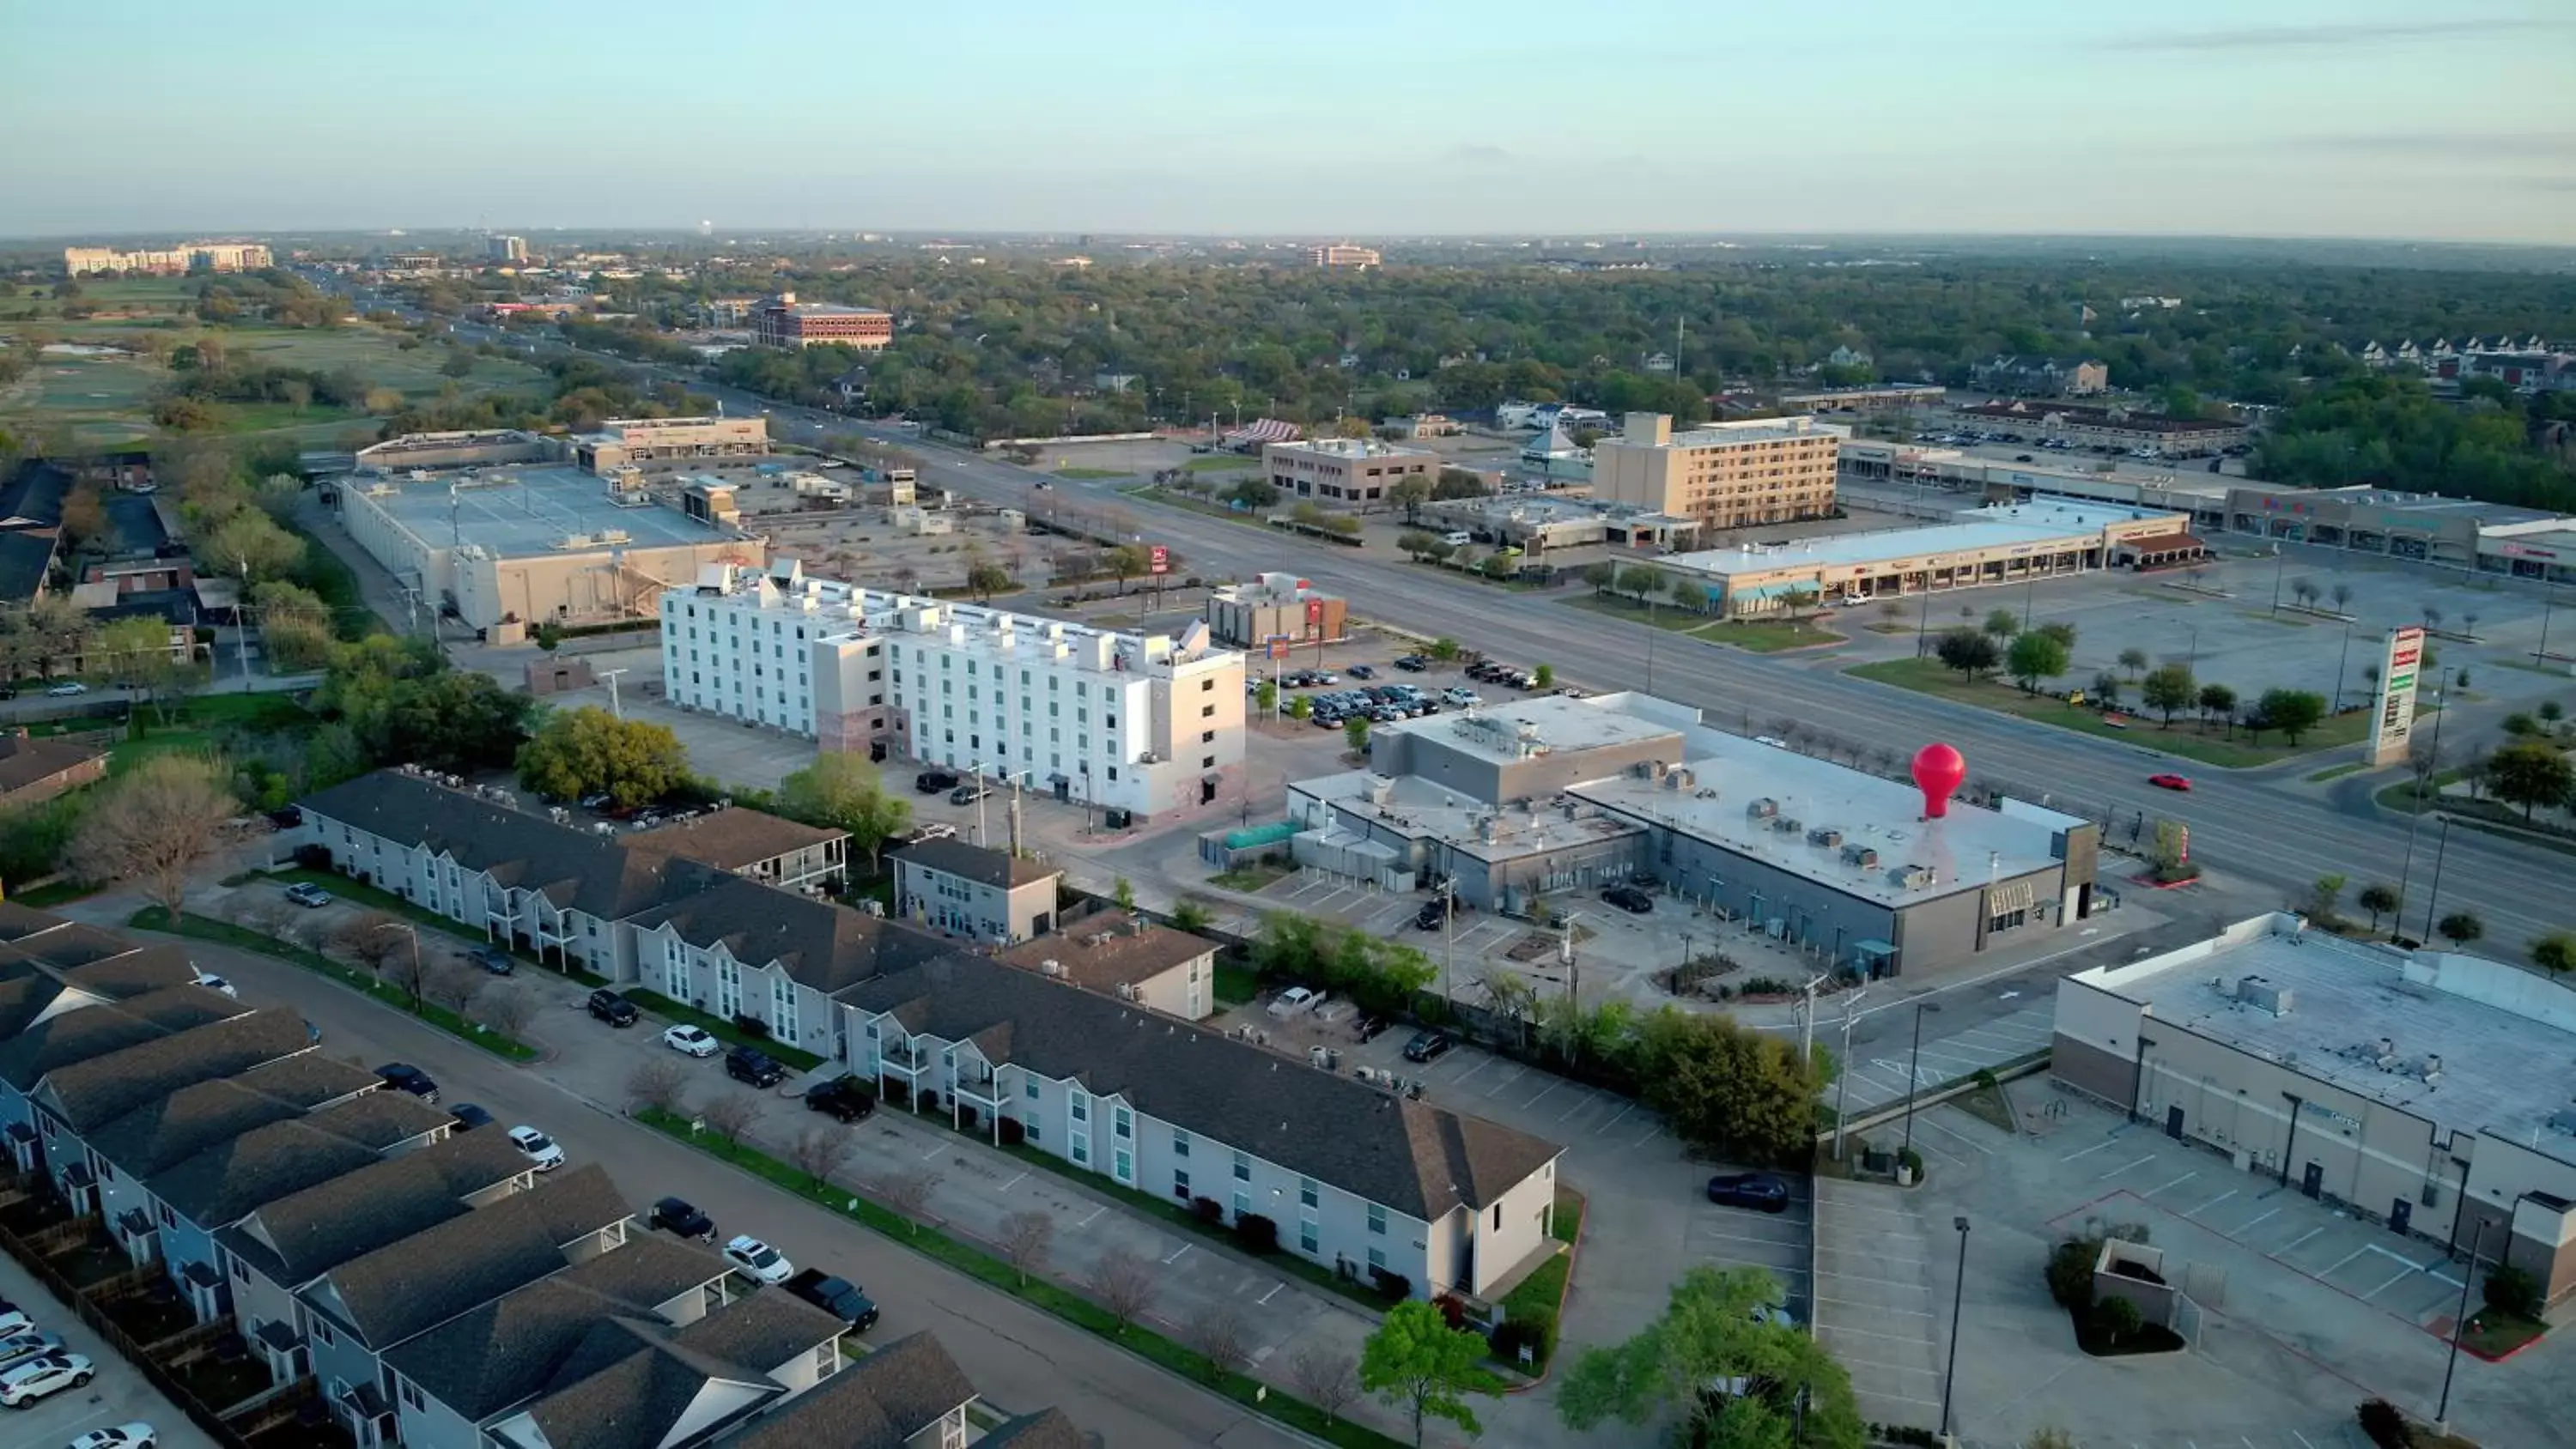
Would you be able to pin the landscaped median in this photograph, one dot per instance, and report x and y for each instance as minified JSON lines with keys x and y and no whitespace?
{"x":224,"y":933}
{"x":1063,"y":1302}
{"x":2187,"y":739}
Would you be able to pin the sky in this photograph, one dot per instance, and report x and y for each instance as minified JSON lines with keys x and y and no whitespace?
{"x":2432,"y":119}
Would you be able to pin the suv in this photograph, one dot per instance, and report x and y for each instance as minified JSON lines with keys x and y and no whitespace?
{"x":838,"y":1297}
{"x":1428,"y":1045}
{"x":968,"y":794}
{"x":493,"y":959}
{"x":751,"y":1064}
{"x":931,"y":782}
{"x":405,"y":1078}
{"x":846,"y":1098}
{"x":675,"y":1215}
{"x":1629,"y":898}
{"x":612,"y":1008}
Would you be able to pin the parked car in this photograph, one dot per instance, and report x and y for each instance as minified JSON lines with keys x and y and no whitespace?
{"x":68,"y":688}
{"x":1295,"y":1001}
{"x":1757,"y":1190}
{"x":469,"y":1116}
{"x":846,"y":1098}
{"x":137,"y":1435}
{"x":1363,"y":671}
{"x":751,"y":1064}
{"x":968,"y":794}
{"x":493,"y":959}
{"x":759,"y":1259}
{"x":23,"y":1384}
{"x":836,"y":1296}
{"x":13,"y":1319}
{"x":1630,"y":899}
{"x":2170,"y":782}
{"x":540,"y":1150}
{"x":675,"y":1215}
{"x":616,"y":1010}
{"x":406,"y":1078}
{"x":690,"y":1041}
{"x":1460,"y":698}
{"x":308,"y":895}
{"x":1433,"y":915}
{"x":27,"y":1345}
{"x":1413,"y":664}
{"x":1429,"y":1045}
{"x":931,"y":782}
{"x":1370,"y":1028}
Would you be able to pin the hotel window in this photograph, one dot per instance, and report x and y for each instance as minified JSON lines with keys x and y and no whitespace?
{"x":1181,"y":1183}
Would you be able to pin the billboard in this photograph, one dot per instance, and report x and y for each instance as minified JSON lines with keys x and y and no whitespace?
{"x":2392,"y":723}
{"x":1159,"y":560}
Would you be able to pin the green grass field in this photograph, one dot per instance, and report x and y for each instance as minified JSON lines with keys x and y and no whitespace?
{"x":1093,"y":473}
{"x":1766,"y":637}
{"x":1217,"y":463}
{"x":1930,"y":676}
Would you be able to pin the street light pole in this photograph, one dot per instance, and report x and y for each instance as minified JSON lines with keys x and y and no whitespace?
{"x":2340,"y":660}
{"x":1914,"y":1073}
{"x":2433,"y":897}
{"x":2459,"y":1326}
{"x":1958,"y":1293}
{"x":1842,"y":1080}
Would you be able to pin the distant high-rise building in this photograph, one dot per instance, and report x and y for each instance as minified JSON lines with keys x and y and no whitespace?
{"x":1726,"y":475}
{"x":782,"y":321}
{"x":203,"y":256}
{"x":1342,"y":254}
{"x":506,"y":248}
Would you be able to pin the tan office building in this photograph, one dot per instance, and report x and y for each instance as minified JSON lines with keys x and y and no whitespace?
{"x":187,"y":257}
{"x":1724,"y":475}
{"x":1344,"y":470}
{"x":1342,"y":254}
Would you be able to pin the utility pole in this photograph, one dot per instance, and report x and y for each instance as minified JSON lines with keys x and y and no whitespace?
{"x":1573,"y":968}
{"x":1449,"y":938}
{"x":615,"y":706}
{"x":1842,"y":1081}
{"x":979,"y":802}
{"x":1807,"y":1018}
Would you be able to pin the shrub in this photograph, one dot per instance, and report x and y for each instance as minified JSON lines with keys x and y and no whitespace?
{"x":2512,"y":1291}
{"x":1207,"y":1209}
{"x":1255,"y":1233}
{"x":930,"y":1101}
{"x":1395,"y":1286}
{"x":1013,"y":1134}
{"x":2384,"y":1424}
{"x":1912,"y":1162}
{"x":1535,"y":1331}
{"x":1452,"y":1312}
{"x":2118,"y":1318}
{"x":751,"y":1026}
{"x":2070,"y":1274}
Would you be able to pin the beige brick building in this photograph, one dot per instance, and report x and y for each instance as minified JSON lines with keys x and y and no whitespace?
{"x":1725,"y":475}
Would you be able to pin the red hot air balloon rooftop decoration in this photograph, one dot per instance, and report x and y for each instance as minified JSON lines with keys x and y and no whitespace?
{"x":1938,"y":771}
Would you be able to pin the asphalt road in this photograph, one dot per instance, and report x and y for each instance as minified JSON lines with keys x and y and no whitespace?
{"x":1019,"y":1358}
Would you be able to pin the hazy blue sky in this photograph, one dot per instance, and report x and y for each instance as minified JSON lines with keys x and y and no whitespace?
{"x":2425,"y":118}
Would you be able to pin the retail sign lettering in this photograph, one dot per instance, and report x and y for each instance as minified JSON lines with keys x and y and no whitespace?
{"x":2392,"y":723}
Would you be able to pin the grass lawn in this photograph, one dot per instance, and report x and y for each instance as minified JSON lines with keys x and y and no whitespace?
{"x":1619,"y":606}
{"x":1152,"y":494}
{"x":1252,"y":877}
{"x":200,"y":725}
{"x":1090,"y":473}
{"x":1216,"y":463}
{"x":1930,"y":676}
{"x":1541,"y":1295}
{"x":2493,"y":1335}
{"x":656,"y":1004}
{"x":1764,"y":637}
{"x":55,"y":893}
{"x":1235,"y":985}
{"x":224,"y":933}
{"x":1060,"y":1301}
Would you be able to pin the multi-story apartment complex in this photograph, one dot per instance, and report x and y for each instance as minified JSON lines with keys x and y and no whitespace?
{"x":510,"y":249}
{"x":1723,"y":475}
{"x":1342,"y":254}
{"x":782,"y":321}
{"x":1140,"y":724}
{"x":2042,"y":376}
{"x":202,"y":256}
{"x":1344,"y":470}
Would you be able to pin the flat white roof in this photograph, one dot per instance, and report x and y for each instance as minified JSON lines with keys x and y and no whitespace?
{"x":1550,"y":722}
{"x":2040,"y":521}
{"x":1353,"y":448}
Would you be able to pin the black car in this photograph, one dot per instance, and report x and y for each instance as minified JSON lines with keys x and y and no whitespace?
{"x":406,"y":1078}
{"x":1433,"y":915}
{"x":612,"y":1008}
{"x":1370,"y":1028}
{"x":493,"y":959}
{"x":1362,"y":671}
{"x":286,"y":817}
{"x":1758,"y":1190}
{"x":1428,"y":1045}
{"x":968,"y":794}
{"x":931,"y":782}
{"x":839,"y":1297}
{"x":846,"y":1098}
{"x":469,"y":1116}
{"x":751,"y":1064}
{"x":673,"y":1215}
{"x":1413,"y":664}
{"x":1629,"y":898}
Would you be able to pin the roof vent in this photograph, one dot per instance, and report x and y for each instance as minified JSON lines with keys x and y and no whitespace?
{"x":1050,"y":967}
{"x":1762,"y":809}
{"x":1826,"y":836}
{"x":2261,"y":994}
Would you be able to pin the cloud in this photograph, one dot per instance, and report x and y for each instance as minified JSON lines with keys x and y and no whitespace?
{"x":2316,"y":37}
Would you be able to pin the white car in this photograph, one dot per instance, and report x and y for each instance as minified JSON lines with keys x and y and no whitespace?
{"x":690,"y":1041}
{"x":37,"y":1378}
{"x":14,"y":1320}
{"x":1774,"y":741}
{"x":212,"y":982}
{"x":1295,"y":1001}
{"x":537,"y":1147}
{"x":137,"y":1435}
{"x":27,"y":1345}
{"x":68,"y":688}
{"x":759,"y":1259}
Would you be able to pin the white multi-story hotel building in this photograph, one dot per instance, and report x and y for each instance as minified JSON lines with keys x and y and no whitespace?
{"x":1141,"y":723}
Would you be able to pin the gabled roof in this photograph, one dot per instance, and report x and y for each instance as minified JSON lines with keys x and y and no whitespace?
{"x":627,"y":1386}
{"x":380,"y":1120}
{"x":980,"y":864}
{"x":575,"y":869}
{"x":92,"y":1093}
{"x":32,"y":495}
{"x":226,"y":1182}
{"x":410,"y":1286}
{"x":1109,"y":948}
{"x":31,"y":988}
{"x":761,"y":1331}
{"x":880,"y":1402}
{"x":1045,"y":1429}
{"x":1418,"y":1159}
{"x":297,"y":1238}
{"x":168,"y":1130}
{"x":821,"y":945}
{"x":732,"y":838}
{"x":72,"y":1037}
{"x":24,"y":760}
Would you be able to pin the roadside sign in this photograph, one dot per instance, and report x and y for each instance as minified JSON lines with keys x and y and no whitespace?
{"x":1160,"y":559}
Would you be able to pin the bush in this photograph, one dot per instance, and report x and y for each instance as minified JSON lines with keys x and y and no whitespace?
{"x":930,"y":1101}
{"x":2384,"y":1424}
{"x":1452,"y":1311}
{"x":1207,"y":1209}
{"x":1395,"y":1286}
{"x":1912,"y":1162}
{"x":1535,"y":1331}
{"x":2512,"y":1291}
{"x":751,"y":1026}
{"x":1013,"y":1134}
{"x":1255,"y":1233}
{"x":2070,"y":1274}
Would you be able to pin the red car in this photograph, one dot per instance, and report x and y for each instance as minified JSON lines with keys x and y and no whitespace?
{"x":2170,"y":782}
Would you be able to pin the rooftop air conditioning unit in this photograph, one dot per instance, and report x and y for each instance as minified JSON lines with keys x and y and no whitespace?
{"x":1762,"y":809}
{"x":1050,"y":967}
{"x":1787,"y":826}
{"x":1860,"y":855}
{"x":1911,"y":877}
{"x":1826,"y":836}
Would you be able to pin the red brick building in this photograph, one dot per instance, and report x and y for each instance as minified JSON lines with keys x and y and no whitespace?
{"x":782,"y":321}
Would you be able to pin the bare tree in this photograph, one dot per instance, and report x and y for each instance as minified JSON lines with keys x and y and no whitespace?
{"x":370,"y":938}
{"x":729,"y":1115}
{"x":506,"y":1009}
{"x":1217,"y":1332}
{"x":158,"y":826}
{"x":658,"y":1083}
{"x":820,"y":1151}
{"x":2342,"y":596}
{"x":451,"y":983}
{"x":1124,"y":1283}
{"x":908,"y":1193}
{"x":1026,"y":1236}
{"x":1328,"y":1377}
{"x":269,"y":915}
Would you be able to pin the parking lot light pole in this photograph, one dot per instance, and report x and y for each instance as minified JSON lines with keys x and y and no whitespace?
{"x":1958,"y":1292}
{"x":1914,"y":1073}
{"x":1842,"y":1079}
{"x":2459,"y":1326}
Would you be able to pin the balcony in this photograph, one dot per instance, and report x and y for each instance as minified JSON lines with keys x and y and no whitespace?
{"x":984,"y":1087}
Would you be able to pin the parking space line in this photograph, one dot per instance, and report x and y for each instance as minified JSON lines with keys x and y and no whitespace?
{"x":1478,"y":1067}
{"x":1924,"y":1144}
{"x":2399,"y":1277}
{"x":1873,"y":1255}
{"x":1176,"y":1255}
{"x":1624,"y":1110}
{"x":1875,"y":1307}
{"x":1014,"y":1182}
{"x":2346,"y":1258}
{"x":1273,"y":1293}
{"x":2395,"y":1257}
{"x":1095,"y":1212}
{"x":2115,"y":1172}
{"x":1577,"y":1107}
{"x":1974,"y":1145}
{"x":1843,"y":1277}
{"x":2303,"y":1237}
{"x":1542,"y":1093}
{"x":1517,"y":1072}
{"x":2089,"y":1151}
{"x":2177,"y":1182}
{"x":2245,"y":1228}
{"x":2213,"y":1202}
{"x":1649,"y":1135}
{"x":1837,"y":1330}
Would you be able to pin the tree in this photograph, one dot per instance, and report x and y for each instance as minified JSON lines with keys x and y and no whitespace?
{"x":2034,"y":657}
{"x":1414,"y":545}
{"x":134,"y":654}
{"x":2380,"y":899}
{"x":1716,"y":1354}
{"x":1967,"y":650}
{"x":2169,"y":688}
{"x":658,"y":1084}
{"x":909,"y":1194}
{"x":1728,"y":1090}
{"x":729,"y":1115}
{"x":372,"y":939}
{"x":984,"y":580}
{"x":156,"y":825}
{"x":1123,"y":891}
{"x":1603,"y":576}
{"x":2461,"y":927}
{"x":2325,"y":901}
{"x":249,"y":544}
{"x":1026,"y":1236}
{"x":1544,"y":676}
{"x":1253,"y":494}
{"x":1642,"y":581}
{"x":2002,"y":624}
{"x":2291,"y":711}
{"x":1265,"y":696}
{"x":1355,"y":733}
{"x":2555,"y":953}
{"x":579,"y":751}
{"x":2059,"y":630}
{"x":452,"y":983}
{"x":842,"y":789}
{"x":1123,"y":1280}
{"x":1192,"y":915}
{"x":2529,"y":773}
{"x":1418,"y":1363}
{"x":1216,"y":1332}
{"x":84,"y":517}
{"x":819,"y":1151}
{"x":1443,"y":649}
{"x":1328,"y":1378}
{"x":1126,"y":561}
{"x":2219,"y":700}
{"x":294,"y":626}
{"x":1410,"y":493}
{"x":2133,"y":659}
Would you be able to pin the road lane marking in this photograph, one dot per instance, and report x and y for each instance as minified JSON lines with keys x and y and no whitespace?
{"x":1176,"y":1255}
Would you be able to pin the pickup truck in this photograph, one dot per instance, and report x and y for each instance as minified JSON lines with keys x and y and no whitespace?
{"x":836,"y":1296}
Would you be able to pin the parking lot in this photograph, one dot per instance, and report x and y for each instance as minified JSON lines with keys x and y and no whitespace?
{"x":1878,"y":1072}
{"x":1880,"y":1286}
{"x":118,"y":1395}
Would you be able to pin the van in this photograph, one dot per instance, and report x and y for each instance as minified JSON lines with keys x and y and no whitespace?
{"x":1459,"y":538}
